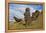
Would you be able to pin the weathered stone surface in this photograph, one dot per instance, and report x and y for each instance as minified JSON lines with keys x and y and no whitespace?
{"x":27,"y":16}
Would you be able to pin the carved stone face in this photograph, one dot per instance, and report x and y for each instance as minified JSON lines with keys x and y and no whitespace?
{"x":27,"y":9}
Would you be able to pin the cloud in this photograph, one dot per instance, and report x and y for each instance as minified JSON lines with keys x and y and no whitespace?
{"x":40,"y":10}
{"x":31,"y":11}
{"x":18,"y":10}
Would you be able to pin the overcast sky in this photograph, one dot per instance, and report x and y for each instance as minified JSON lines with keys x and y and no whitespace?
{"x":18,"y":10}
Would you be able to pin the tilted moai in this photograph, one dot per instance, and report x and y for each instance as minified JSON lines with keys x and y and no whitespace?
{"x":27,"y":16}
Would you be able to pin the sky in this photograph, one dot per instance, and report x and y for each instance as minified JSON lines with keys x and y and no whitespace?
{"x":18,"y":10}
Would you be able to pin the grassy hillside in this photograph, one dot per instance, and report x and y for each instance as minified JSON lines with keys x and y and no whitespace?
{"x":37,"y":24}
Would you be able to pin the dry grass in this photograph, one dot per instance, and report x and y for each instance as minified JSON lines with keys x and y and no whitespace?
{"x":37,"y":24}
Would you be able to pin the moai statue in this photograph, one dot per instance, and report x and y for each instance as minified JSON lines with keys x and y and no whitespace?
{"x":27,"y":16}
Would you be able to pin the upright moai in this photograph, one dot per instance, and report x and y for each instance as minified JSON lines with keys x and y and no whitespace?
{"x":27,"y":16}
